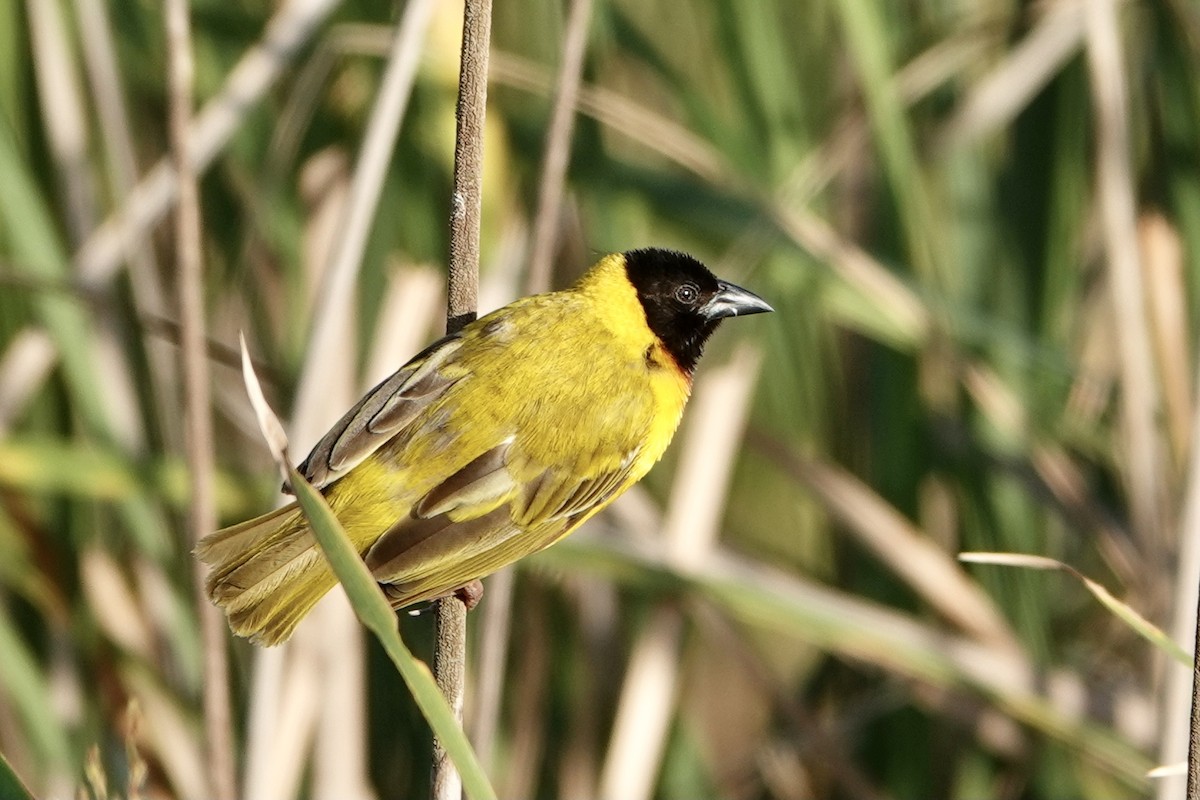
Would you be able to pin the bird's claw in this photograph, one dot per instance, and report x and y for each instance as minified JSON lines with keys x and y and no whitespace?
{"x":470,"y":593}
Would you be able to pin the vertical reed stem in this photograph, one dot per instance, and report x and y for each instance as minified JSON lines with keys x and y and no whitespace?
{"x":198,"y":423}
{"x":558,"y":148}
{"x":1193,"y":760}
{"x":449,"y":663}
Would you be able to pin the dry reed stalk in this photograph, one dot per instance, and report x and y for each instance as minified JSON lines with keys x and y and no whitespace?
{"x":265,"y":775}
{"x":491,"y":664}
{"x":104,"y":81}
{"x":276,"y":761}
{"x":149,"y":296}
{"x":1008,"y":88}
{"x":558,"y":148}
{"x":108,"y":246}
{"x":644,"y":712}
{"x":1179,"y":703}
{"x":116,"y":608}
{"x":1193,"y":757}
{"x":66,"y":695}
{"x":340,"y":747}
{"x":497,"y":613}
{"x":463,"y":284}
{"x":296,"y":726}
{"x":929,"y":570}
{"x":462,"y":300}
{"x":202,"y":519}
{"x":410,"y":312}
{"x":66,"y":121}
{"x":340,"y":768}
{"x":24,"y":366}
{"x":287,"y":32}
{"x":710,"y":446}
{"x":383,"y":127}
{"x":1163,"y":259}
{"x":1162,"y":253}
{"x":1139,"y":405}
{"x":896,"y":301}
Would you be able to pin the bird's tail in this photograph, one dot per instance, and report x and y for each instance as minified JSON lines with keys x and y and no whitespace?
{"x":267,"y":574}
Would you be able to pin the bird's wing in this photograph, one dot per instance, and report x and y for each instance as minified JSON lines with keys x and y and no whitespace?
{"x":382,"y":413}
{"x":556,"y":495}
{"x":496,"y":509}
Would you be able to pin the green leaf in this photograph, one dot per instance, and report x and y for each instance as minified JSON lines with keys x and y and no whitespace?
{"x":869,"y":43}
{"x":27,"y":222}
{"x":52,"y":466}
{"x":11,"y":787}
{"x":375,"y":612}
{"x":1136,"y":622}
{"x":365,"y":595}
{"x":787,"y":605}
{"x":25,"y":685}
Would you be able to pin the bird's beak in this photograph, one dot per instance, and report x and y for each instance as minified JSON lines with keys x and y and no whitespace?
{"x":733,"y":301}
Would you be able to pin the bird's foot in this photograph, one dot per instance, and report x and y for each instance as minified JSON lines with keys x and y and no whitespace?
{"x":470,"y":593}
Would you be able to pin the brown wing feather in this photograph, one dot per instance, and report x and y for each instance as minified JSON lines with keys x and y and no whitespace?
{"x":380,"y":414}
{"x":480,"y":482}
{"x":467,"y":511}
{"x":479,"y":519}
{"x":555,"y":495}
{"x":417,"y":546}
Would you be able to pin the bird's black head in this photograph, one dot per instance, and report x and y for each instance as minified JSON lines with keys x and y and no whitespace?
{"x":683,"y":301}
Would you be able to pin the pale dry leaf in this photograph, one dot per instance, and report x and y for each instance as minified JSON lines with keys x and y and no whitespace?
{"x":268,"y":423}
{"x":1168,"y":770}
{"x":1126,"y":613}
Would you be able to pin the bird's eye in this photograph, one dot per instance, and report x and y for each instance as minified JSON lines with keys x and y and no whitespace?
{"x":687,"y":294}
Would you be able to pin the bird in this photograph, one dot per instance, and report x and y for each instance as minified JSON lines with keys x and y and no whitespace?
{"x":491,"y":444}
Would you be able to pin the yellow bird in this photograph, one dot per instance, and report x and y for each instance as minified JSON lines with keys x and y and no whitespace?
{"x":493,"y":443}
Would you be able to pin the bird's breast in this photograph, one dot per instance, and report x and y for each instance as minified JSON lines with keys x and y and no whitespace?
{"x":670,"y":388}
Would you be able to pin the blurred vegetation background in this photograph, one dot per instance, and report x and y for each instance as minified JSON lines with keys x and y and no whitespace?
{"x":978,"y":222}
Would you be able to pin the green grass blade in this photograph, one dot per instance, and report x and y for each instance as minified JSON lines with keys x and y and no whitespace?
{"x":373,"y":609}
{"x":26,"y":685}
{"x":1136,"y":622}
{"x":27,"y":222}
{"x":365,"y":596}
{"x":40,"y":465}
{"x":869,"y":46}
{"x":769,"y":599}
{"x":11,"y":787}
